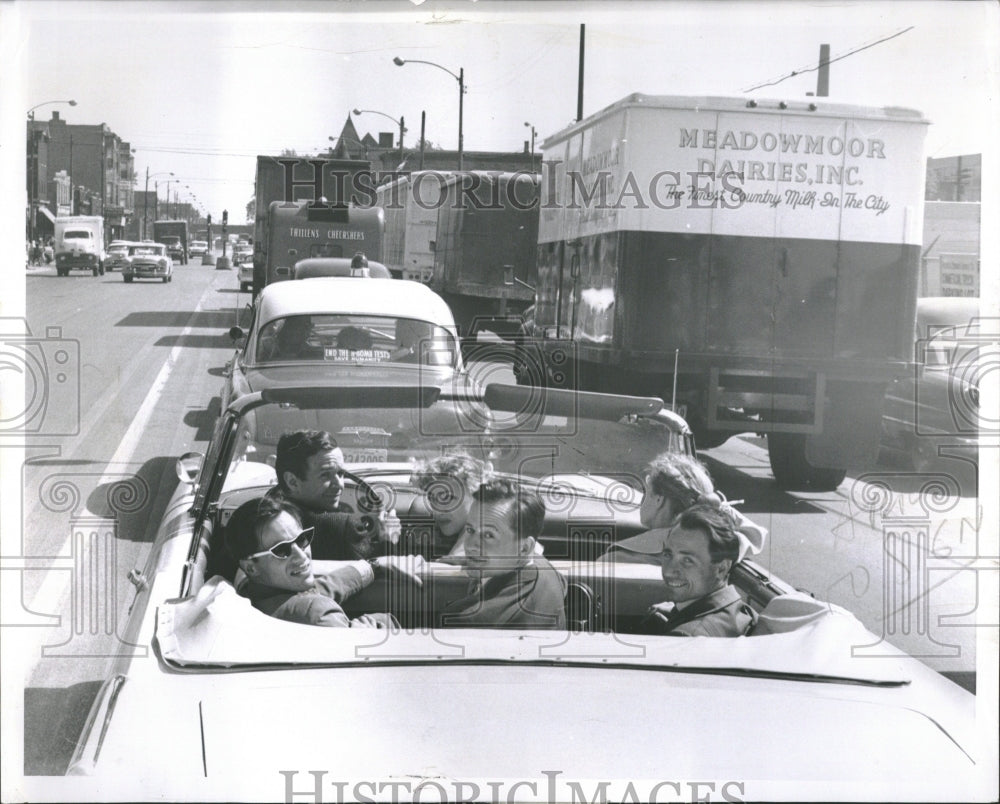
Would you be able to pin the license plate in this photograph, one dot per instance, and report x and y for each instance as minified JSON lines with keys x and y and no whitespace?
{"x":366,"y":455}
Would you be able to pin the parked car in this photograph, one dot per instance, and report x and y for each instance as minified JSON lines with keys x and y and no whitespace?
{"x":301,"y":329}
{"x":199,"y":248}
{"x":600,"y":711}
{"x":117,"y":255}
{"x":148,"y":261}
{"x":934,"y":412}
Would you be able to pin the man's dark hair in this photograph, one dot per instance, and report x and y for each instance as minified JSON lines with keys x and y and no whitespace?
{"x":359,"y":260}
{"x":719,"y":527}
{"x":527,"y":511}
{"x":295,"y":449}
{"x":244,"y":526}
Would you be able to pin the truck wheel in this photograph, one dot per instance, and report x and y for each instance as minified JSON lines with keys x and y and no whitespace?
{"x":95,"y":271}
{"x":166,"y":279}
{"x":787,"y":455}
{"x":127,"y":278}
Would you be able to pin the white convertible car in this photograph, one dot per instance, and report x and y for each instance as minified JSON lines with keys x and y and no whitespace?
{"x":233,"y":705}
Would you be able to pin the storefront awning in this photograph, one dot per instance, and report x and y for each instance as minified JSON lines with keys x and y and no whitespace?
{"x":47,"y":214}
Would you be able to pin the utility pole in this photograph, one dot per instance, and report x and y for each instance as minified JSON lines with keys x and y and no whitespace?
{"x":823,"y":73}
{"x":423,"y":121}
{"x":579,"y":80}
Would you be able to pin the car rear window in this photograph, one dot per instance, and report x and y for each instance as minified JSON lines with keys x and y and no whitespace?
{"x":77,"y":234}
{"x":356,"y":339}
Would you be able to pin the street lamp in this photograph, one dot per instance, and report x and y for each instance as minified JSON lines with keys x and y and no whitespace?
{"x":145,"y":197}
{"x":402,"y":127}
{"x":532,"y":143}
{"x":461,"y":93}
{"x":31,"y":111}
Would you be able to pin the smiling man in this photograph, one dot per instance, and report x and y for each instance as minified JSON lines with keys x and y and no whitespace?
{"x":511,"y":585}
{"x":310,"y":470}
{"x":700,"y":550}
{"x":265,"y":536}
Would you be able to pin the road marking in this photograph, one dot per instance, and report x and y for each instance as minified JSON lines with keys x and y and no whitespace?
{"x":55,"y":585}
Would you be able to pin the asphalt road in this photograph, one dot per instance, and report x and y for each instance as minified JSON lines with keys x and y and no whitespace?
{"x":142,"y":382}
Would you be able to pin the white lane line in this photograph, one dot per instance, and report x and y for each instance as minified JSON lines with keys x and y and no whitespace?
{"x":54,"y":587}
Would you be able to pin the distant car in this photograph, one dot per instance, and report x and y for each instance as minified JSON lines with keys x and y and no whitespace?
{"x":117,"y":255}
{"x":937,"y":407}
{"x":148,"y":261}
{"x":198,"y":248}
{"x":175,"y":247}
{"x":350,"y":325}
{"x":245,"y":269}
{"x":242,"y":252}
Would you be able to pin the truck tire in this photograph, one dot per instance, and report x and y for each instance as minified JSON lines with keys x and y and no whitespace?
{"x":787,"y":455}
{"x":127,"y":278}
{"x":95,"y":269}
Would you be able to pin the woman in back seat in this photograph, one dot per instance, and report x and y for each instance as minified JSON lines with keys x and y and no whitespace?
{"x":674,"y":482}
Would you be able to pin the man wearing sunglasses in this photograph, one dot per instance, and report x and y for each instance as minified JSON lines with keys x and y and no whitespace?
{"x":700,"y":550}
{"x":266,"y":537}
{"x":310,"y":469}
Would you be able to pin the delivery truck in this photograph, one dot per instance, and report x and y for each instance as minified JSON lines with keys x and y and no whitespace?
{"x":79,"y":244}
{"x":753,"y":261}
{"x":410,"y":205}
{"x":174,"y":235}
{"x":484,"y":250}
{"x":306,"y":207}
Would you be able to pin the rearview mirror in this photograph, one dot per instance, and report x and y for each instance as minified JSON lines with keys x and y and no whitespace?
{"x":189,"y":466}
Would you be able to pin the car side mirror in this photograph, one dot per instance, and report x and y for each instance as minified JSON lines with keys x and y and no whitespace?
{"x":188,"y":466}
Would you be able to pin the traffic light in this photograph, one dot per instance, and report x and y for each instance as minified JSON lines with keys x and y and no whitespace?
{"x":225,"y":217}
{"x":209,"y":218}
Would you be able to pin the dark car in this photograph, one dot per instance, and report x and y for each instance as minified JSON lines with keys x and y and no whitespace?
{"x":934,"y":412}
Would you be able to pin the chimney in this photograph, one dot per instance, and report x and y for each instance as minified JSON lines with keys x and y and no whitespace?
{"x":55,"y":115}
{"x":526,"y":146}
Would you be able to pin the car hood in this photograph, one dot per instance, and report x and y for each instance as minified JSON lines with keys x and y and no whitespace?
{"x":541,"y":725}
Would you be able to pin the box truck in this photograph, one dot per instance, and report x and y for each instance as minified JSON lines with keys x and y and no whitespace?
{"x":79,"y":244}
{"x":756,"y":262}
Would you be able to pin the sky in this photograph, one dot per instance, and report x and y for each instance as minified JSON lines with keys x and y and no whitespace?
{"x":199,"y":89}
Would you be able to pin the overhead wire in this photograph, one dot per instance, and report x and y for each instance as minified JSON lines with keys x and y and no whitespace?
{"x":804,"y":70}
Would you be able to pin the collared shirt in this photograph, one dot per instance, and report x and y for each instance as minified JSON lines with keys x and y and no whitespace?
{"x":319,"y":605}
{"x":532,"y":596}
{"x":723,"y":613}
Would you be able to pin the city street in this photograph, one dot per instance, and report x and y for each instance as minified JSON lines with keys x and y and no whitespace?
{"x":149,"y":359}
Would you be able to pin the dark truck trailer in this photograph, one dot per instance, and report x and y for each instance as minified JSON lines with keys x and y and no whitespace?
{"x":338,"y":185}
{"x":755,"y":261}
{"x":484,"y":250}
{"x":174,"y":235}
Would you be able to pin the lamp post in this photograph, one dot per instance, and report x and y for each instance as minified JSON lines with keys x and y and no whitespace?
{"x":400,"y":123}
{"x":532,"y":143}
{"x":145,"y":199}
{"x":461,"y":94}
{"x":31,"y":111}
